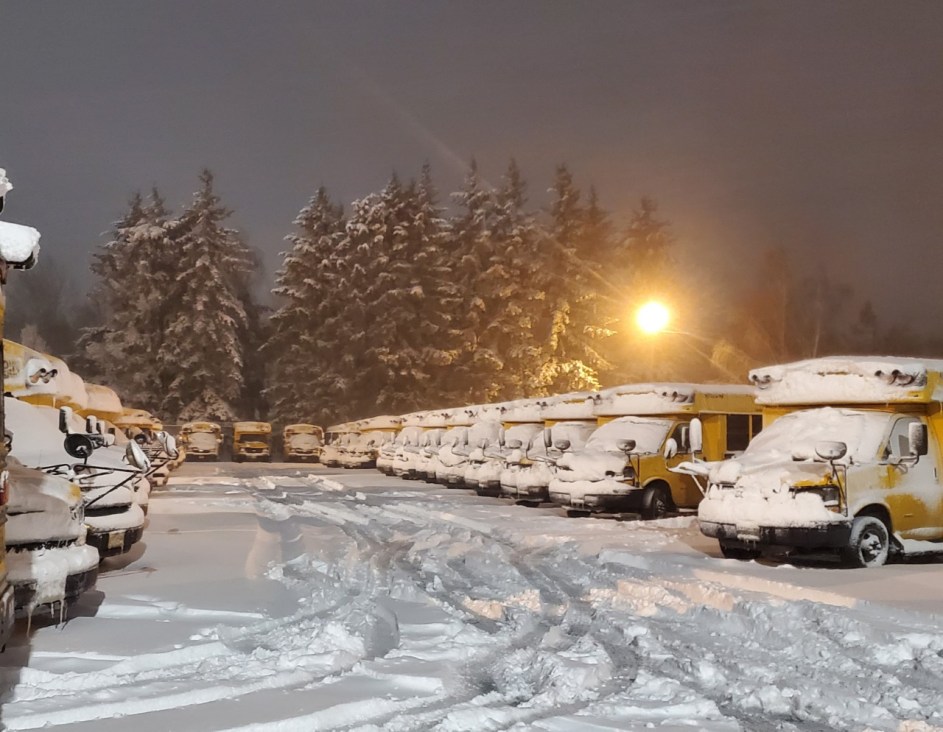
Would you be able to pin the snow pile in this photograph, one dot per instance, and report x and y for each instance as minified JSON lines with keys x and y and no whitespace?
{"x":18,"y":244}
{"x":845,"y":380}
{"x":5,"y":185}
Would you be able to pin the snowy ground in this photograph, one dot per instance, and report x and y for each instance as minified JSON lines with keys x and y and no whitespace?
{"x":286,"y":598}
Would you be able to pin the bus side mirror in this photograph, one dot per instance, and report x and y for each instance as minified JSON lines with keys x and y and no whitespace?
{"x":482,"y":443}
{"x":548,"y":438}
{"x":90,"y":424}
{"x":830,"y":450}
{"x":501,"y":437}
{"x":78,"y":446}
{"x":626,"y":446}
{"x":671,"y":448}
{"x":696,"y":435}
{"x":136,"y":457}
{"x":917,"y":436}
{"x":563,"y":445}
{"x":515,"y":444}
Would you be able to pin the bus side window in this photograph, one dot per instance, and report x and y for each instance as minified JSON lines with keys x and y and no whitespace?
{"x":756,"y":425}
{"x":738,"y":433}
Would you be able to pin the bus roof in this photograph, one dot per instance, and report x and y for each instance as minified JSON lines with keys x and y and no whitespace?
{"x":849,"y":380}
{"x":673,"y":398}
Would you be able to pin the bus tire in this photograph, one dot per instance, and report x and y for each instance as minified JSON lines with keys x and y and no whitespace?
{"x":869,"y":544}
{"x":656,"y":501}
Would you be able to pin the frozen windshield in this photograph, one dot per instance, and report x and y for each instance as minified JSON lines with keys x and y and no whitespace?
{"x":649,"y":434}
{"x":796,"y":435}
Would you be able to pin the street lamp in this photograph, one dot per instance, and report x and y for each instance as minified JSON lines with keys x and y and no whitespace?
{"x":653,"y":317}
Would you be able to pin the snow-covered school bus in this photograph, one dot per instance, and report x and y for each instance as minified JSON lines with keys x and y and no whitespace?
{"x":644,"y":431}
{"x":201,"y":440}
{"x":850,"y":462}
{"x":302,"y":442}
{"x":19,"y":248}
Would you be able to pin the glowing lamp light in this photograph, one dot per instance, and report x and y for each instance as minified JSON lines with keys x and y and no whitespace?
{"x":652,"y":317}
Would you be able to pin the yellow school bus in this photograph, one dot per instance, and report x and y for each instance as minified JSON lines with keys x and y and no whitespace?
{"x":645,"y":430}
{"x":302,"y":442}
{"x":19,"y":247}
{"x":849,"y":462}
{"x":201,"y":440}
{"x":251,"y":441}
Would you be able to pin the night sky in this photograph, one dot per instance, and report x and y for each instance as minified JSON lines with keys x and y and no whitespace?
{"x":817,"y":126}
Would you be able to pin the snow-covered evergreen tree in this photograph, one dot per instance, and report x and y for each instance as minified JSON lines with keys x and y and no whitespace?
{"x":570,"y":359}
{"x":469,"y":250}
{"x":300,"y":351}
{"x":510,"y":299}
{"x":207,"y":330}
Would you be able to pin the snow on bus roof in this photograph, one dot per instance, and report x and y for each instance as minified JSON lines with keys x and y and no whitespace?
{"x":18,"y":244}
{"x":575,"y":405}
{"x":102,"y":399}
{"x":661,"y":398}
{"x":384,"y":422}
{"x":849,"y":379}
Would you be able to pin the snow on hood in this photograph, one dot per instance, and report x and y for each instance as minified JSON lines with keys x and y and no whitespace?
{"x":37,"y":441}
{"x":601,"y":457}
{"x":41,"y":507}
{"x":755,"y":488}
{"x":589,"y":464}
{"x":845,"y":379}
{"x":18,"y":244}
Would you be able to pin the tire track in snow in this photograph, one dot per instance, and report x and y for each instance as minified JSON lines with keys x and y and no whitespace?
{"x":762,"y":701}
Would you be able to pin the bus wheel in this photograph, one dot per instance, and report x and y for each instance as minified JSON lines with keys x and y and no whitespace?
{"x":735,"y":551}
{"x":869,"y":544}
{"x":656,"y":501}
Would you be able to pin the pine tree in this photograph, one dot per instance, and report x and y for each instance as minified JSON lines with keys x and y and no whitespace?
{"x":510,"y":299}
{"x":474,"y":372}
{"x":570,"y":361}
{"x":207,"y":330}
{"x":298,"y":350}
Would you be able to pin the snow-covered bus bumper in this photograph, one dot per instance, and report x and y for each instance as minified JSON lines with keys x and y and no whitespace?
{"x":818,"y":536}
{"x":530,"y":482}
{"x":760,"y":518}
{"x":114,"y":530}
{"x":485,"y":477}
{"x":50,"y":576}
{"x":601,"y":496}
